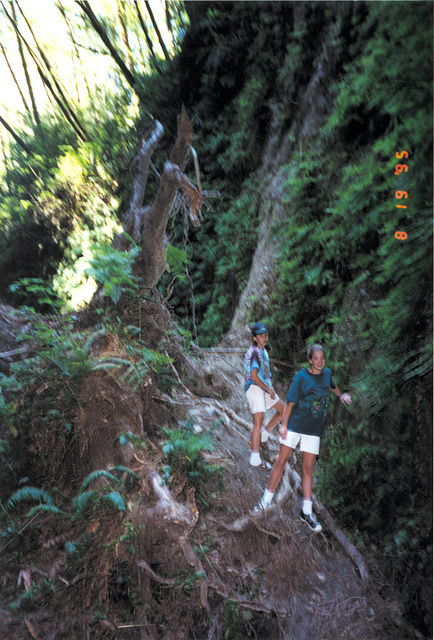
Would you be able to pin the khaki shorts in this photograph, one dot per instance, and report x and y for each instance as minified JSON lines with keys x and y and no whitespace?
{"x":259,"y":400}
{"x":310,"y":444}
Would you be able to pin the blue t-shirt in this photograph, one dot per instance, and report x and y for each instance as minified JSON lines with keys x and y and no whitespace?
{"x":256,"y":358}
{"x":309,"y":393}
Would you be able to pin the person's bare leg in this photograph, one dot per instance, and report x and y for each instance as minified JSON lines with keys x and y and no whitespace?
{"x":278,"y":408}
{"x":258,"y":421}
{"x":307,"y":514}
{"x":279,"y":467}
{"x":307,"y":481}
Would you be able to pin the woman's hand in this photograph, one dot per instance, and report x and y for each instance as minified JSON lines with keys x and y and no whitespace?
{"x":283,"y":431}
{"x":345,"y":399}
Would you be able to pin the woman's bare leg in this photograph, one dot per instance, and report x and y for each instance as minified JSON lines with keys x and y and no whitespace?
{"x":258,"y":421}
{"x":279,"y":467}
{"x":278,"y":408}
{"x":307,"y":481}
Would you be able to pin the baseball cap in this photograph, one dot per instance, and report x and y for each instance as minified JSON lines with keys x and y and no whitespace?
{"x":258,"y":328}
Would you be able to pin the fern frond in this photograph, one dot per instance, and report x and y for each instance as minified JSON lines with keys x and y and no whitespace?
{"x":132,"y":438}
{"x":90,"y":341}
{"x":27,"y":596}
{"x":116,"y":500}
{"x":95,"y":475}
{"x":119,"y":468}
{"x":29,"y":494}
{"x":58,"y":364}
{"x":83,"y":501}
{"x":117,"y":361}
{"x":44,"y":508}
{"x":104,"y":365}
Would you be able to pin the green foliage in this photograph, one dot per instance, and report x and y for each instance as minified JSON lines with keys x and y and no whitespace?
{"x":44,"y":295}
{"x":133,"y":439}
{"x":32,"y":494}
{"x":26,"y":599}
{"x":242,"y":46}
{"x":343,"y":279}
{"x":183,"y":451}
{"x":113,"y":270}
{"x":113,"y":483}
{"x":136,"y":371}
{"x":177,"y":261}
{"x":236,"y":620}
{"x":59,"y":206}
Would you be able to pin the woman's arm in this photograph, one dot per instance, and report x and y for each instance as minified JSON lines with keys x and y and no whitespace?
{"x":257,"y":380}
{"x":283,"y":429}
{"x":345,"y":398}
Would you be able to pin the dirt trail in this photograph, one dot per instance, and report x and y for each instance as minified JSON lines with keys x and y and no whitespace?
{"x":306,"y":577}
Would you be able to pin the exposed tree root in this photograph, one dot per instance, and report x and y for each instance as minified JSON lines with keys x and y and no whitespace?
{"x":331,"y":525}
{"x":165,"y":581}
{"x":291,"y":477}
{"x":213,"y":583}
{"x":248,"y":604}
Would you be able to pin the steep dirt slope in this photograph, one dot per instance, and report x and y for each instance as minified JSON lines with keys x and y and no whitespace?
{"x":307,"y":578}
{"x":176,"y":564}
{"x":314,"y":104}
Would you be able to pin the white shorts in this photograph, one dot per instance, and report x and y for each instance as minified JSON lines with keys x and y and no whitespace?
{"x":310,"y":444}
{"x":259,"y":400}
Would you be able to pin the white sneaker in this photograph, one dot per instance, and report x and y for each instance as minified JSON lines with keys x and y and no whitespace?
{"x":263,"y":465}
{"x":264,"y":436}
{"x":261,"y":506}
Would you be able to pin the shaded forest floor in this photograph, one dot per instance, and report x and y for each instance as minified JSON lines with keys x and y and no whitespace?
{"x":185,"y":559}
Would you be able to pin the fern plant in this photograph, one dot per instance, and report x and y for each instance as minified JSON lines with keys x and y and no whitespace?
{"x":183,"y":451}
{"x":109,"y":496}
{"x":26,"y":598}
{"x":33,"y":494}
{"x":113,"y":271}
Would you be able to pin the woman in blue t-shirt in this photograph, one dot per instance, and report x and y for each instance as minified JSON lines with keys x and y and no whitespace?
{"x":303,"y":422}
{"x":260,"y":393}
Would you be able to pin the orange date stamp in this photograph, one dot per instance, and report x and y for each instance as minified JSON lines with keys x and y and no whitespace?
{"x":399,"y":168}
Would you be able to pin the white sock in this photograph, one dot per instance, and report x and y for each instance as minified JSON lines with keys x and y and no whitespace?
{"x":264,"y":435}
{"x":255,"y":459}
{"x":267,"y":497}
{"x":306,"y":506}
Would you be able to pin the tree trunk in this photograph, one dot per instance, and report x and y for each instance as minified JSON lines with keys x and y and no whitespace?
{"x":24,"y":101}
{"x":63,"y":100}
{"x":80,"y":61}
{"x":85,"y":7}
{"x":25,"y":68}
{"x":15,"y":136}
{"x":145,"y":31}
{"x":157,"y":31}
{"x":125,"y":40}
{"x":147,"y":225}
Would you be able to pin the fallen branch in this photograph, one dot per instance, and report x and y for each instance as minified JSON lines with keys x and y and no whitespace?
{"x":331,"y":525}
{"x":17,"y":354}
